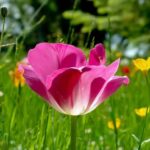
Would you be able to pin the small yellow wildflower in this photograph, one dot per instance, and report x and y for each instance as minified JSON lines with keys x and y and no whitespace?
{"x":111,"y":124}
{"x":141,"y":111}
{"x":142,"y":64}
{"x":17,"y":76}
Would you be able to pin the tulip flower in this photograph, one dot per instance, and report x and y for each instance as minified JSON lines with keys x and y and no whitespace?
{"x":71,"y":84}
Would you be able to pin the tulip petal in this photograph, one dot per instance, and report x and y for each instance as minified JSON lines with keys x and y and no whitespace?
{"x":113,"y":85}
{"x":90,"y":84}
{"x":76,"y":88}
{"x":34,"y":82}
{"x":95,"y":88}
{"x":37,"y":86}
{"x":110,"y":87}
{"x":69,"y":55}
{"x":97,"y":77}
{"x":110,"y":70}
{"x":97,"y":55}
{"x":62,"y":85}
{"x":83,"y":89}
{"x":71,"y":88}
{"x":105,"y":71}
{"x":46,"y":58}
{"x":43,"y":59}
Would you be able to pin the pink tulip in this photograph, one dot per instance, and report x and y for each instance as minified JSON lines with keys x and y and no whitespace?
{"x":62,"y":76}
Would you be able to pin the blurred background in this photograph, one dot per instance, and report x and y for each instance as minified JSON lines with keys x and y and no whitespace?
{"x":79,"y":22}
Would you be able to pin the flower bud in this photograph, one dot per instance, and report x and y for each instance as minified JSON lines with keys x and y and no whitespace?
{"x":3,"y":12}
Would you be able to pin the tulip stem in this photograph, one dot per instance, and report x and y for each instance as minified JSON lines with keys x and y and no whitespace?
{"x":73,"y":132}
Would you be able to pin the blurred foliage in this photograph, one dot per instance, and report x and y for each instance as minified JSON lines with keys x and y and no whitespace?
{"x":30,"y":21}
{"x":128,"y":19}
{"x":83,"y":23}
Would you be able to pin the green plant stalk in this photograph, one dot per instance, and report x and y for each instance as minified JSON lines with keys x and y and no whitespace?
{"x":73,"y":132}
{"x":143,"y":129}
{"x":88,"y":38}
{"x":53,"y":128}
{"x":114,"y":122}
{"x":41,"y":136}
{"x":2,"y":34}
{"x":116,"y":135}
{"x":145,"y":120}
{"x":13,"y":114}
{"x":84,"y":127}
{"x":45,"y":131}
{"x":110,"y":35}
{"x":112,"y":104}
{"x":71,"y":29}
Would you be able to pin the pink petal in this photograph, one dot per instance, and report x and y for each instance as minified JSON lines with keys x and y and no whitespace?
{"x":36,"y":85}
{"x":110,"y":87}
{"x":95,"y":88}
{"x":113,"y":85}
{"x":106,"y":72}
{"x":34,"y":82}
{"x":69,"y":55}
{"x":90,"y":84}
{"x":71,"y":88}
{"x":76,"y":88}
{"x":62,"y":85}
{"x":97,"y":55}
{"x":97,"y":77}
{"x":111,"y":69}
{"x":46,"y":58}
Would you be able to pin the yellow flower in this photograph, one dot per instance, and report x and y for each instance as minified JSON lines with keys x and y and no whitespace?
{"x":17,"y":76}
{"x":142,"y":64}
{"x":141,"y":111}
{"x":111,"y":124}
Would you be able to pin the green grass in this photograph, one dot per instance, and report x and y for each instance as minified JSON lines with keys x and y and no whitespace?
{"x":29,"y":123}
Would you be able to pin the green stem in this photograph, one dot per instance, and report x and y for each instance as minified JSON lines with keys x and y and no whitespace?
{"x":53,"y":128}
{"x":143,"y":129}
{"x":71,"y":30}
{"x":45,"y":131}
{"x":110,"y":36}
{"x":113,"y":116}
{"x":2,"y":33}
{"x":73,"y":132}
{"x":88,"y":39}
{"x":145,"y":120}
